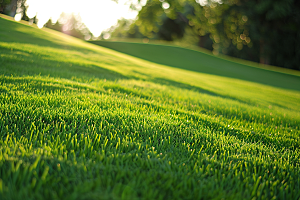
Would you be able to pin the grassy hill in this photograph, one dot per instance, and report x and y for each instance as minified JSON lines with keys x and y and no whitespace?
{"x":79,"y":121}
{"x":205,"y":63}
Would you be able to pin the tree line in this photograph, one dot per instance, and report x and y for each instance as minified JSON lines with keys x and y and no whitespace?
{"x":264,"y":31}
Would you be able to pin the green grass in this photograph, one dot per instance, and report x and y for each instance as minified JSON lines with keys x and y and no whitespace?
{"x":205,"y":63}
{"x":79,"y":121}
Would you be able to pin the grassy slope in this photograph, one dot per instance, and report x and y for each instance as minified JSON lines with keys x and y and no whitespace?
{"x":200,"y":62}
{"x":78,"y":121}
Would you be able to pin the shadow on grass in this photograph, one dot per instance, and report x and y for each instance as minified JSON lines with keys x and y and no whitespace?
{"x":24,"y":64}
{"x":195,"y":88}
{"x":200,"y":62}
{"x":43,"y":85}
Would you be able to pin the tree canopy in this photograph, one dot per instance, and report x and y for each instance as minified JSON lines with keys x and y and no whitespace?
{"x":265,"y":31}
{"x":70,"y":24}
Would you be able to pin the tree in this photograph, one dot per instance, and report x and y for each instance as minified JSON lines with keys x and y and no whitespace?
{"x":267,"y":33}
{"x":3,"y":4}
{"x":70,"y":24}
{"x":272,"y":26}
{"x":8,"y":6}
{"x":275,"y":28}
{"x":13,"y":7}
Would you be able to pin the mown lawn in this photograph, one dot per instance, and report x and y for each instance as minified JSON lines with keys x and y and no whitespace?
{"x":79,"y":121}
{"x":194,"y":60}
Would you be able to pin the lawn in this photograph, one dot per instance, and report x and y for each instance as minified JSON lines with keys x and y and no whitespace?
{"x":80,"y":121}
{"x":194,"y":60}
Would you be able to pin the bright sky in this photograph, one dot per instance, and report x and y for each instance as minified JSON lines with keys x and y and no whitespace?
{"x":97,"y":15}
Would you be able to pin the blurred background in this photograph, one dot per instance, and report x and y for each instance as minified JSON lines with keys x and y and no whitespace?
{"x":263,"y":31}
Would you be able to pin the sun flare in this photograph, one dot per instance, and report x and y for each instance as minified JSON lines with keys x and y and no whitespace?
{"x":96,"y":15}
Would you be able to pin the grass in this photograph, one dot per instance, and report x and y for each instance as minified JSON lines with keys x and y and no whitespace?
{"x":79,"y":121}
{"x":194,"y":60}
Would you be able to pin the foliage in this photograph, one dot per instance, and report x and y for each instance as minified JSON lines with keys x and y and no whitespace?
{"x":9,"y":7}
{"x":78,"y":121}
{"x":125,"y":28}
{"x":3,"y":5}
{"x":13,"y":7}
{"x":268,"y":33}
{"x":70,"y":24}
{"x":271,"y":26}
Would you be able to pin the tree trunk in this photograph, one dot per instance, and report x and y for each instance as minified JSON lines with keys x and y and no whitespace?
{"x":202,"y":40}
{"x":264,"y":57}
{"x":12,"y":8}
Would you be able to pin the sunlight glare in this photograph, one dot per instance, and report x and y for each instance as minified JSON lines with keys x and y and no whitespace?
{"x":165,"y":5}
{"x":18,"y":16}
{"x":206,"y":2}
{"x":96,"y":15}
